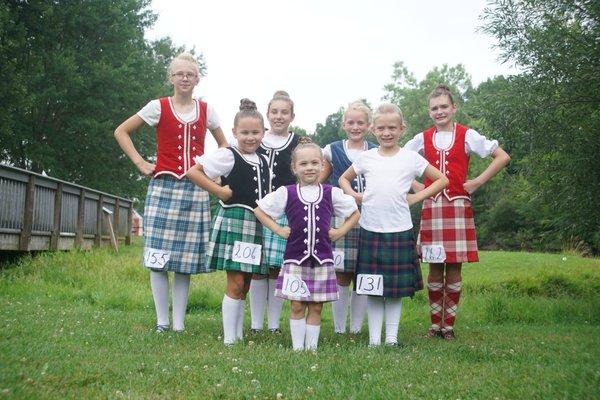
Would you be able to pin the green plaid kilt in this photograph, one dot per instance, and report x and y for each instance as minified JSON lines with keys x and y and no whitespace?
{"x":348,"y":244}
{"x":274,"y":246}
{"x":392,"y":255}
{"x":232,"y":224}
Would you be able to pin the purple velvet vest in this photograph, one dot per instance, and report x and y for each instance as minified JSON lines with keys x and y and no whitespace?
{"x":310,"y":224}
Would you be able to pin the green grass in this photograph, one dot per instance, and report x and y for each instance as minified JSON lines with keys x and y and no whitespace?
{"x":79,"y":325}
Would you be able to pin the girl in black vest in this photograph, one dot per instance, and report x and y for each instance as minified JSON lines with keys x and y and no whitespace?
{"x":236,"y":239}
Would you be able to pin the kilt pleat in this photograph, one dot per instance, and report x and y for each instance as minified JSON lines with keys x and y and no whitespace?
{"x":319,"y":278}
{"x":392,"y":255}
{"x":177,"y":220}
{"x":232,"y":224}
{"x":348,"y":244}
{"x":274,"y":246}
{"x":451,"y":224}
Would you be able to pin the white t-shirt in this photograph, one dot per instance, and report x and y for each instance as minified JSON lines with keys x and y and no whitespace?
{"x":351,"y":153}
{"x":274,"y":203}
{"x":474,"y":143}
{"x":150,"y":113}
{"x":384,"y":207}
{"x":220,"y":162}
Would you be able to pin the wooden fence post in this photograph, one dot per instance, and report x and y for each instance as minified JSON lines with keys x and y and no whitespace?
{"x":55,"y":235}
{"x":129,"y":223}
{"x":117,"y":214}
{"x":98,"y":237}
{"x":80,"y":220}
{"x":25,"y":238}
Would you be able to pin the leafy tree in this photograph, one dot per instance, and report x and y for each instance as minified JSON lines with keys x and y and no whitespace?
{"x":298,"y":131}
{"x":331,"y":131}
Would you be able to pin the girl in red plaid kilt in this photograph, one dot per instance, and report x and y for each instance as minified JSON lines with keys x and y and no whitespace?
{"x":387,"y":248}
{"x":177,"y":214}
{"x":338,"y":157}
{"x":244,"y":177}
{"x":447,"y":218}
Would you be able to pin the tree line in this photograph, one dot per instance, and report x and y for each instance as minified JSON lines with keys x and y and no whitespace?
{"x":73,"y":69}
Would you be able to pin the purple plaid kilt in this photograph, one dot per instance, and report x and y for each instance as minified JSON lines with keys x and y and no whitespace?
{"x":392,"y":255}
{"x":320,"y":280}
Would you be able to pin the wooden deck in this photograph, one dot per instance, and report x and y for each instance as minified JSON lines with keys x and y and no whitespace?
{"x":42,"y":213}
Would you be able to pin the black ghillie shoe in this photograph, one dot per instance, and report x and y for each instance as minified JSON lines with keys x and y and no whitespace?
{"x":161,"y":328}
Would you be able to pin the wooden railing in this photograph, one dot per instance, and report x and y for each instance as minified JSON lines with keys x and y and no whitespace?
{"x":42,"y":213}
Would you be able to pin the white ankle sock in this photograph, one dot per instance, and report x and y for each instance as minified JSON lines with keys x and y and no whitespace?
{"x":375,"y":308}
{"x":393,"y":310}
{"x":340,"y":308}
{"x":311,"y":340}
{"x":274,"y":305}
{"x":159,"y":282}
{"x":181,"y":289}
{"x":358,"y":309}
{"x":239,"y":331}
{"x":230,"y":309}
{"x":258,"y":300}
{"x":298,"y":331}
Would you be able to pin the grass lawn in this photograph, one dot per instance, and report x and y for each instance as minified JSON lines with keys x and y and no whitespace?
{"x":80,"y":325}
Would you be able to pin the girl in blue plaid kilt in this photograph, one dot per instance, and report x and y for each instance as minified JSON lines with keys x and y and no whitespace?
{"x":387,"y":251}
{"x":307,"y":277}
{"x":338,"y":157}
{"x":236,"y":238}
{"x":176,"y":214}
{"x":277,"y":146}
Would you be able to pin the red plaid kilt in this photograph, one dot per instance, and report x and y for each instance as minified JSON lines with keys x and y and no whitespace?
{"x":451,"y":224}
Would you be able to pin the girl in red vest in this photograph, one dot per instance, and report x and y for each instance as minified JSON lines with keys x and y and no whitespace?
{"x":176,"y":213}
{"x":447,"y":236}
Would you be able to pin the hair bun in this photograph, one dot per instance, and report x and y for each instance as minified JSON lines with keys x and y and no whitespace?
{"x":247,"y":105}
{"x":281,"y":93}
{"x":304,"y":140}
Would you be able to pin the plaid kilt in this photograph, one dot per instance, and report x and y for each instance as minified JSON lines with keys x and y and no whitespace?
{"x":177,"y":219}
{"x":392,"y":255}
{"x":451,"y":224}
{"x":320,"y":280}
{"x":348,"y":244}
{"x":274,"y":246}
{"x":229,"y":225}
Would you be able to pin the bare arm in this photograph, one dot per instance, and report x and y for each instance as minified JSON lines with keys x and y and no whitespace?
{"x":344,"y":182}
{"x":219,"y":136}
{"x":335,"y":234}
{"x":326,"y":173}
{"x":417,"y":186}
{"x":438,"y":184}
{"x":123,"y":137}
{"x":197,"y":176}
{"x":500,"y":160}
{"x":267,"y":221}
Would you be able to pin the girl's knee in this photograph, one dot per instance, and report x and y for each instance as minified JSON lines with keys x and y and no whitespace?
{"x":297,"y":309}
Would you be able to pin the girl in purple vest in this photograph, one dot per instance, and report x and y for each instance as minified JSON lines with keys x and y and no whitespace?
{"x":388,"y":268}
{"x":447,"y":219}
{"x":307,"y":277}
{"x":236,"y":238}
{"x":176,"y":213}
{"x":338,"y":157}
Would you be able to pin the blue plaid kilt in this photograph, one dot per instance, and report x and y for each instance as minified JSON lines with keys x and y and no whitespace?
{"x":233,"y":224}
{"x":392,"y":255}
{"x":274,"y":246}
{"x":177,"y":219}
{"x":348,"y":244}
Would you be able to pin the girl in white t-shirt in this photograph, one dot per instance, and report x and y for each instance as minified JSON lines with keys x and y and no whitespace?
{"x":176,"y":212}
{"x":387,"y":259}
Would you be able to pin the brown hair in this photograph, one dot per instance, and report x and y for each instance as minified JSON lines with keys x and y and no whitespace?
{"x":389,"y":108}
{"x":247,"y":110}
{"x":305,"y":142}
{"x":441,"y":90}
{"x":281,"y":95}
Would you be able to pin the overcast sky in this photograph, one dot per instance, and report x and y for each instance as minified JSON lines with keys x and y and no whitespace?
{"x":324,"y":53}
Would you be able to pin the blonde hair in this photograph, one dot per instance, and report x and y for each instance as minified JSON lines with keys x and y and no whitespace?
{"x":247,"y":110}
{"x":305,"y":143}
{"x":359,"y":105}
{"x":281,"y":95}
{"x":183,"y":57}
{"x":389,"y":108}
{"x":441,"y":90}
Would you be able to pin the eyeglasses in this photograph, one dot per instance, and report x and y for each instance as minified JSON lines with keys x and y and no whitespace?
{"x":181,"y":75}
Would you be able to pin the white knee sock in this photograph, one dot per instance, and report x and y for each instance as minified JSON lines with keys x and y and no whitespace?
{"x":274,"y":304}
{"x":298,"y":331}
{"x":181,"y":289}
{"x":159,"y":282}
{"x":339,"y":308}
{"x":393,"y":310}
{"x":258,"y":301}
{"x":239,"y":332}
{"x":230,"y":309}
{"x":358,"y":309}
{"x":311,"y":340}
{"x":375,"y":308}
